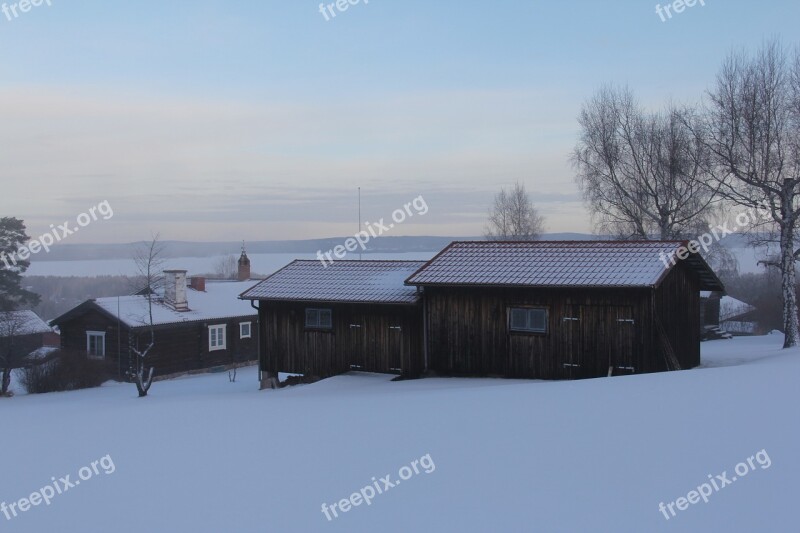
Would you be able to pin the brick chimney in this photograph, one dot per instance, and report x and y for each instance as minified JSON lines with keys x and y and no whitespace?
{"x":198,"y":283}
{"x":244,"y":266}
{"x":175,"y":289}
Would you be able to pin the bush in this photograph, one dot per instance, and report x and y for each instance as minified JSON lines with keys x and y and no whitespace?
{"x":65,"y":371}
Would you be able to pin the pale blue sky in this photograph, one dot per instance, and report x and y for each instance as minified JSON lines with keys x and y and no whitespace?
{"x":258,"y":120}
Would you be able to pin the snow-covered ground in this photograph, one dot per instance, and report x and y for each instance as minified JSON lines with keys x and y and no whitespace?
{"x":205,"y":455}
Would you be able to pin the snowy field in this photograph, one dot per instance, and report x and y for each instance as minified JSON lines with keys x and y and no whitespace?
{"x":204,"y":455}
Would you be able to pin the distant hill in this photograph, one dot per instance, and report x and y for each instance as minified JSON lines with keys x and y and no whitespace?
{"x":173,"y":249}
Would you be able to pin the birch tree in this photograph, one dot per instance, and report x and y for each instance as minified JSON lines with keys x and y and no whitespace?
{"x":514,"y":217}
{"x":753,"y":134}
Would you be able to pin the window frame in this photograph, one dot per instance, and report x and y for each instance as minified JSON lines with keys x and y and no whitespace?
{"x":318,"y":324}
{"x":249,"y":330}
{"x":216,"y":346}
{"x":528,"y":330}
{"x":89,"y":335}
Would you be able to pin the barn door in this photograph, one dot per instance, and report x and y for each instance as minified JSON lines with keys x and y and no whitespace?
{"x":572,"y":343}
{"x":357,"y":344}
{"x":394,"y":350}
{"x":622,"y":334}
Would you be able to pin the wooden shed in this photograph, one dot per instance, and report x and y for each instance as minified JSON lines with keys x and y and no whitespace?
{"x":562,"y":309}
{"x":321,"y":320}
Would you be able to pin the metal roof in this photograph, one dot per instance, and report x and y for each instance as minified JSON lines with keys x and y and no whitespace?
{"x":558,"y":264}
{"x":340,"y":282}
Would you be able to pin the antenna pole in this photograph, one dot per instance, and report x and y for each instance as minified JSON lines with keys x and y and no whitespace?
{"x":359,"y":218}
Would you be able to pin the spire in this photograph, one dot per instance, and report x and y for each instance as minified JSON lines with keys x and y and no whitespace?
{"x":244,"y":265}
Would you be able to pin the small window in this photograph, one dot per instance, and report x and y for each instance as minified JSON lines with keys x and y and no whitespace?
{"x":96,"y":344}
{"x":528,"y":320}
{"x":245,"y":331}
{"x":319,"y":318}
{"x":216,"y":337}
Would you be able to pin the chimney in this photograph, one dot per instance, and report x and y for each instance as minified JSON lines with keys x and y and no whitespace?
{"x":175,"y":289}
{"x":244,"y":266}
{"x":198,"y":283}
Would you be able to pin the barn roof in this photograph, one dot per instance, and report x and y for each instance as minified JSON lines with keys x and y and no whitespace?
{"x":558,"y":264}
{"x":218,"y":301}
{"x":340,"y":282}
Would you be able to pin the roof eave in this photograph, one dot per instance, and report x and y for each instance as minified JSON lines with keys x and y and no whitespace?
{"x":524,"y":286}
{"x":317,"y":301}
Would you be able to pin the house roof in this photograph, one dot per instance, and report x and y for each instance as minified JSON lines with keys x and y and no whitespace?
{"x":340,"y":282}
{"x":558,"y":264}
{"x":19,"y":323}
{"x":219,"y":301}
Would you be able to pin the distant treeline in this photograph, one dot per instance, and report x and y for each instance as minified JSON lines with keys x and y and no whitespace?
{"x":172,"y":249}
{"x":60,"y":294}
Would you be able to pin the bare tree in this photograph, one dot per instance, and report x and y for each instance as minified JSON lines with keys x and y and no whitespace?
{"x":643,"y":175}
{"x":513,"y":216}
{"x":12,"y":353}
{"x":227,"y":267}
{"x":753,"y":133}
{"x":149,"y":259}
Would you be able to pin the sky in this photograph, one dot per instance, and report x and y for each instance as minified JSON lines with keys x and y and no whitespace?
{"x":259,"y":120}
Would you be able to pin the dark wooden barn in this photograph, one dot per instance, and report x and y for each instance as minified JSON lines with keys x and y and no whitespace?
{"x":562,"y":310}
{"x":321,"y":320}
{"x":196,"y":327}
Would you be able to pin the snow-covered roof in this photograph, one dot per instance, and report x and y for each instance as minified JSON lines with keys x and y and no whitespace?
{"x":730,"y":307}
{"x":41,"y":353}
{"x":22,"y":323}
{"x":341,"y":281}
{"x":220,"y":300}
{"x":558,"y":264}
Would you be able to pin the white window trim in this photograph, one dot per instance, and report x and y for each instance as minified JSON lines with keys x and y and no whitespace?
{"x":249,"y":330}
{"x":89,"y":335}
{"x":224,"y":345}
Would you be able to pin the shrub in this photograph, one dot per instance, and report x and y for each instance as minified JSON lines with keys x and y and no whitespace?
{"x":65,"y":370}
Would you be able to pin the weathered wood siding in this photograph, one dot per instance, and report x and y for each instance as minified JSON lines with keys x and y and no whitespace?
{"x":21,"y":345}
{"x":677,"y":306}
{"x":73,"y":336}
{"x":178,"y":347}
{"x":587,"y":332}
{"x":372,"y":338}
